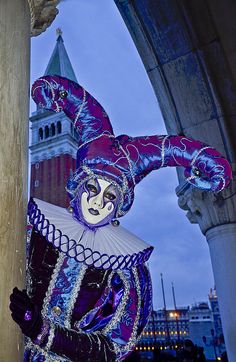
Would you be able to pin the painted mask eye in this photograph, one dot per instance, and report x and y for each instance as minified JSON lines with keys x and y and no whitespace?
{"x":92,"y":188}
{"x":110,"y":196}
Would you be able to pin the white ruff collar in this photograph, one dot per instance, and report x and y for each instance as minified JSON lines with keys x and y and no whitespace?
{"x":106,"y":247}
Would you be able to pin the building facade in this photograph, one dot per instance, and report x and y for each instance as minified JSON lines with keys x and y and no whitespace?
{"x":201,"y":323}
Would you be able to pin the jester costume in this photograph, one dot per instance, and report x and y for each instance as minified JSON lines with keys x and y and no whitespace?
{"x":89,"y":291}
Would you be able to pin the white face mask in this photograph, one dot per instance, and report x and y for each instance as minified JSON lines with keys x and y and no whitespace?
{"x":99,"y":201}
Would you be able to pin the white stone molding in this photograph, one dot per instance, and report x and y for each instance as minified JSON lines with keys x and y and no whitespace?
{"x":42,"y":13}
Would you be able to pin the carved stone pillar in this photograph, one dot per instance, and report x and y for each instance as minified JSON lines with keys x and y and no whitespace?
{"x":216,"y":216}
{"x":15,"y":23}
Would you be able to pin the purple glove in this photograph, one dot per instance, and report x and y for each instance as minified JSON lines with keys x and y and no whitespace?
{"x":25,"y":313}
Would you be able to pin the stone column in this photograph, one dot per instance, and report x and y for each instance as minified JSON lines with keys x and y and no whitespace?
{"x":222,"y":244}
{"x":14,"y":88}
{"x":216,"y":216}
{"x":17,"y":19}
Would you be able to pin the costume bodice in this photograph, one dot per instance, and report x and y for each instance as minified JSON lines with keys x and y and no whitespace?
{"x":85,"y":299}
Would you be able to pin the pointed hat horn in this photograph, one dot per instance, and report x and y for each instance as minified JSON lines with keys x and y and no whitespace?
{"x":123,"y":159}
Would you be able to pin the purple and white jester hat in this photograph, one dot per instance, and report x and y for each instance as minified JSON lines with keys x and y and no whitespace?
{"x":125,"y":160}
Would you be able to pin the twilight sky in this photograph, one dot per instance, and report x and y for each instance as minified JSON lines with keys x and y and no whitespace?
{"x":107,"y":64}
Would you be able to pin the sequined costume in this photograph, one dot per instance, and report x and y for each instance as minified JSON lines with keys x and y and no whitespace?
{"x":95,"y":314}
{"x":89,"y":290}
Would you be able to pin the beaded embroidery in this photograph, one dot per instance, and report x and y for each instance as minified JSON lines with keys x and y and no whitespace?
{"x":74,"y":296}
{"x":163,"y":151}
{"x":50,"y":338}
{"x":198,"y":153}
{"x":81,"y":107}
{"x":51,"y":286}
{"x":121,"y":306}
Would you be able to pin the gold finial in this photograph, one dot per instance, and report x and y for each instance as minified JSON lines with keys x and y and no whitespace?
{"x":59,"y":31}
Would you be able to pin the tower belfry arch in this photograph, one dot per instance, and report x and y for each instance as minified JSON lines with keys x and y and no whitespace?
{"x":189,"y":51}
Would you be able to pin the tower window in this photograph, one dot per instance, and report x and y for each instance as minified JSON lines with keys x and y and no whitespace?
{"x":36,"y":183}
{"x":40,"y":134}
{"x":46,"y":132}
{"x":59,"y":127}
{"x":37,"y":165}
{"x":53,"y":129}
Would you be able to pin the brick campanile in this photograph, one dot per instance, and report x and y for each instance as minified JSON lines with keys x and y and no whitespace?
{"x":54,"y":140}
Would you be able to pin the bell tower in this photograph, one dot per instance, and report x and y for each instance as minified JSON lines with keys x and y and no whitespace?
{"x":54,"y":140}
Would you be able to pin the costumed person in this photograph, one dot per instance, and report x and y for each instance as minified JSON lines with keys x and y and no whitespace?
{"x":89,"y":292}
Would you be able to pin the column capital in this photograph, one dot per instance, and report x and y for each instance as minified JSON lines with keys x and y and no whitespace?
{"x":42,"y":13}
{"x":208,"y":209}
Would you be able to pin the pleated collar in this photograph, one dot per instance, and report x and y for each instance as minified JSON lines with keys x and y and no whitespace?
{"x":107,"y":247}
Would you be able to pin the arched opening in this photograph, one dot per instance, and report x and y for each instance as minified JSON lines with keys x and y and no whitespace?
{"x":53,"y":129}
{"x":40,"y":134}
{"x":46,"y":132}
{"x":59,"y":128}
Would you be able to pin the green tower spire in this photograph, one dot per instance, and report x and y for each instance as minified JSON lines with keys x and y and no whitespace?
{"x":59,"y":63}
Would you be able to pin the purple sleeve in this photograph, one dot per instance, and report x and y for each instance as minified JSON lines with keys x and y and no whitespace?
{"x":82,"y":347}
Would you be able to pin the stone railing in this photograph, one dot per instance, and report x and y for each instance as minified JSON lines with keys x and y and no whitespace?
{"x":42,"y":13}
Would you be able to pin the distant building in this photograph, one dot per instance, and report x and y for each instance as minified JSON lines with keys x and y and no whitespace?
{"x":219,"y":337}
{"x":54,"y":140}
{"x":172,"y":325}
{"x":200,"y":323}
